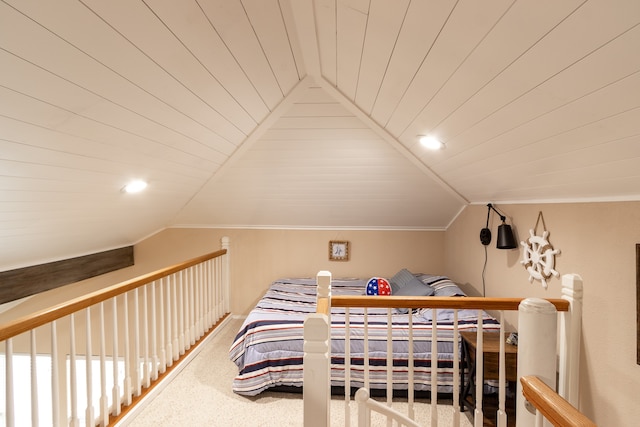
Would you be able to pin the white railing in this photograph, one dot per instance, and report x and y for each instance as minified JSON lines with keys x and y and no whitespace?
{"x":539,"y":341}
{"x":136,"y":331}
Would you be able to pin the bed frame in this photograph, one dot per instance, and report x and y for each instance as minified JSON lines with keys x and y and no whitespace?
{"x":538,"y":340}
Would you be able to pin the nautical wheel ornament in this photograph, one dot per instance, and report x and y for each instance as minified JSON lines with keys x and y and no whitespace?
{"x":539,"y":257}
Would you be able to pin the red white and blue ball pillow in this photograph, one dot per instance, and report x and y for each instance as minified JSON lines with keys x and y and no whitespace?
{"x":378,"y":286}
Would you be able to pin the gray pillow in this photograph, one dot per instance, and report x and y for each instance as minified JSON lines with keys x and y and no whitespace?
{"x":405,"y":283}
{"x":400,"y":280}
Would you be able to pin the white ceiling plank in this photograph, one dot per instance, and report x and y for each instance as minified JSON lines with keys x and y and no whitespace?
{"x":468,"y":24}
{"x":291,"y":28}
{"x":56,"y":102}
{"x":326,"y":29}
{"x":318,"y":123}
{"x":383,"y":27}
{"x":267,"y":21}
{"x":351,"y":27}
{"x":104,"y":46}
{"x":192,"y":28}
{"x":231,"y":22}
{"x":146,"y":31}
{"x":422,"y":25}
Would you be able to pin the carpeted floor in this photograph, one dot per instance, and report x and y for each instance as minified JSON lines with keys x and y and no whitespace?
{"x":201,"y":396}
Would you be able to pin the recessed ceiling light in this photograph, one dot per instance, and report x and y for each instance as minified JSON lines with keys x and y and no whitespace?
{"x":135,"y":186}
{"x":431,"y":142}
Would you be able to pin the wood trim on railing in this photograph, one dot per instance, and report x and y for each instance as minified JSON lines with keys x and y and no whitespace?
{"x":554,"y":408}
{"x":42,"y":317}
{"x":436,"y":302}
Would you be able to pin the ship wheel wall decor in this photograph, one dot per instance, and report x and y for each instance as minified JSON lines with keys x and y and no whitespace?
{"x":539,"y":257}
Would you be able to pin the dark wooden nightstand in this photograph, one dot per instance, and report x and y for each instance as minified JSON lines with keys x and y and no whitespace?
{"x":491,"y":358}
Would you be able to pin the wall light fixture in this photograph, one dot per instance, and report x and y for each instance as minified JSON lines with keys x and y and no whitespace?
{"x":506,"y":240}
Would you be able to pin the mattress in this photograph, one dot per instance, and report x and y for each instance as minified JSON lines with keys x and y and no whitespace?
{"x":268,"y":348}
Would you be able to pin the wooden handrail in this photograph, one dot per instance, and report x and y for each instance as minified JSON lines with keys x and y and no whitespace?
{"x":42,"y":317}
{"x":436,"y":302}
{"x":554,"y":408}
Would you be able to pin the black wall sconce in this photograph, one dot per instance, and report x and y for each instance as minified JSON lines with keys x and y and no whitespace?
{"x":506,"y":240}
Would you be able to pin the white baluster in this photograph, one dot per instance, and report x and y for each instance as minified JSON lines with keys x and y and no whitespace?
{"x":145,"y":334}
{"x":502,"y":377}
{"x":55,"y":376}
{"x":434,"y":368}
{"x":219,"y":289}
{"x":73,"y":381}
{"x":161,"y":321}
{"x":217,"y":312}
{"x":410,"y":369}
{"x":478,"y":414}
{"x":115,"y":392}
{"x":34,"y":380}
{"x":390,"y":360}
{"x":456,"y":370}
{"x":9,"y":403}
{"x":347,"y":367}
{"x":182,"y":313}
{"x":137,"y":374}
{"x":226,"y":244}
{"x":365,"y":356}
{"x":207,"y":295}
{"x":196,"y":305}
{"x":90,"y":418}
{"x":154,"y":337}
{"x":176,"y":333}
{"x":127,"y":392}
{"x":192,"y":308}
{"x":169,"y":342}
{"x":201,"y":299}
{"x":104,"y":400}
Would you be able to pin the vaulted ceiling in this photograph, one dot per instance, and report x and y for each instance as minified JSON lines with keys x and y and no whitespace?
{"x":305,"y":113}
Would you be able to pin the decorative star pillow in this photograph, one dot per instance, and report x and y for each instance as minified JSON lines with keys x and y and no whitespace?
{"x":378,"y":286}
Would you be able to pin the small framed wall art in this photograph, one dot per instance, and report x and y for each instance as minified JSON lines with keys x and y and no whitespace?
{"x":339,"y":250}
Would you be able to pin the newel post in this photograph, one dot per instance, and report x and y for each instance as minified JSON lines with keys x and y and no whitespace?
{"x":316,"y":389}
{"x":537,"y":331}
{"x":570,"y":330}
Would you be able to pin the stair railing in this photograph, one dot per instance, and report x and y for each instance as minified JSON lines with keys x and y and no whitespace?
{"x":106,"y":350}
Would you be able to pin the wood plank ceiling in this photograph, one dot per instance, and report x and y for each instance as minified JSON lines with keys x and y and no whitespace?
{"x":305,"y":114}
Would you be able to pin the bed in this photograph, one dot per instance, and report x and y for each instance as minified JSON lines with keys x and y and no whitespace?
{"x":268,"y":348}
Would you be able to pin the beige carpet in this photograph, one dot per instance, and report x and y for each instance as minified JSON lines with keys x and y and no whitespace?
{"x":201,"y":396}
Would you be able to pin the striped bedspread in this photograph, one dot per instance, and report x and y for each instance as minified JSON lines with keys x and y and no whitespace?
{"x":268,"y":348}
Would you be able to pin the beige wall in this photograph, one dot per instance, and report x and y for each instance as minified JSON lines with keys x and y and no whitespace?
{"x":597,"y":241}
{"x":258,"y":257}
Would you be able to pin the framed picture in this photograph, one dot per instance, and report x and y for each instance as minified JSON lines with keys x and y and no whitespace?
{"x":338,"y":250}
